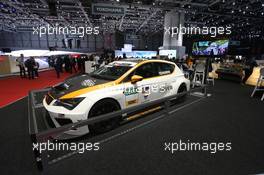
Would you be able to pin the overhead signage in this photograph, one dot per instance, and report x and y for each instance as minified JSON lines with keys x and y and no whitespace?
{"x":102,"y":9}
{"x":132,"y":37}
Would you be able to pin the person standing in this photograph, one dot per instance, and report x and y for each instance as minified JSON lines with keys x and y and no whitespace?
{"x":67,"y":63}
{"x":30,"y":67}
{"x":97,"y":61}
{"x":73,"y":65}
{"x":61,"y":63}
{"x":79,"y":60}
{"x":36,"y":67}
{"x":57,"y":65}
{"x":21,"y":65}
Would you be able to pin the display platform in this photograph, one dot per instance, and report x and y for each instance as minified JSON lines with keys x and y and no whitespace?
{"x":42,"y":131}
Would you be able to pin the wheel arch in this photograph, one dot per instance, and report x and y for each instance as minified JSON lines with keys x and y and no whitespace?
{"x":182,"y":85}
{"x":103,"y":99}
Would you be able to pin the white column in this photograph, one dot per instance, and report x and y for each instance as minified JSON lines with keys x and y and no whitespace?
{"x":173,"y":20}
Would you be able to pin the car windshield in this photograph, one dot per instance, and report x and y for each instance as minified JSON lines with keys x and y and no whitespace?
{"x":110,"y":72}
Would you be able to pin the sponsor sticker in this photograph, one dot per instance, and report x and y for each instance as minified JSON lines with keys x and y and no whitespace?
{"x":88,"y":83}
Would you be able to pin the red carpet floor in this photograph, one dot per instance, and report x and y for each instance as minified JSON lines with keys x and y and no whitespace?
{"x":14,"y":88}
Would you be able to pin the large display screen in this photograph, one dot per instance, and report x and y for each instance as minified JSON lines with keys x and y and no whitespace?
{"x":136,"y":54}
{"x":218,"y":47}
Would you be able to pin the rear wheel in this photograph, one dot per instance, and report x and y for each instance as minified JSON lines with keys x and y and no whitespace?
{"x":182,"y":89}
{"x":100,"y":108}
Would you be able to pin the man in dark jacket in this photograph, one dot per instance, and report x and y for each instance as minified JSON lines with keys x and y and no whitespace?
{"x":67,"y":63}
{"x":73,"y":65}
{"x":30,"y":67}
{"x":36,"y":68}
{"x":57,"y":65}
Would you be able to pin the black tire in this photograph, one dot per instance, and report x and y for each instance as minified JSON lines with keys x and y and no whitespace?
{"x":103,"y":107}
{"x":182,"y":89}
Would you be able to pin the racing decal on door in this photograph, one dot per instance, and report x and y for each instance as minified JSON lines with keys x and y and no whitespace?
{"x":131,"y":95}
{"x":166,"y":88}
{"x":130,"y":91}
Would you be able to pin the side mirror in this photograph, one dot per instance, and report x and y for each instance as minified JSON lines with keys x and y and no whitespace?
{"x":136,"y":78}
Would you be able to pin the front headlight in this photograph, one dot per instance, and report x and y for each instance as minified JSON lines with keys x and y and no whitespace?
{"x":69,"y":103}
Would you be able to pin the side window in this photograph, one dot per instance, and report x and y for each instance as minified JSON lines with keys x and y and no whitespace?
{"x":149,"y":70}
{"x":165,"y":68}
{"x":146,"y":70}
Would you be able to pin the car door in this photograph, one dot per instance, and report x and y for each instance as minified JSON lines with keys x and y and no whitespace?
{"x":159,"y":83}
{"x":137,"y":93}
{"x":156,"y":83}
{"x":149,"y":86}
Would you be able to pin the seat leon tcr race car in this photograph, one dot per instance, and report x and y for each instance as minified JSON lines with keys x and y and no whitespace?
{"x":118,"y":85}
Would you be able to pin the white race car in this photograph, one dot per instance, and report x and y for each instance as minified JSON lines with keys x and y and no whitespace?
{"x":118,"y":85}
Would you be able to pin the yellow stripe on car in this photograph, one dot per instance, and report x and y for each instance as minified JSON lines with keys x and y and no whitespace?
{"x":142,"y":113}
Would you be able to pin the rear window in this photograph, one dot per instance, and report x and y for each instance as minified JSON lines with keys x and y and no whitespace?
{"x":165,"y":68}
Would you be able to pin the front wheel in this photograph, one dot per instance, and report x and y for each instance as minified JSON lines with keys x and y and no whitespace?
{"x":100,"y":108}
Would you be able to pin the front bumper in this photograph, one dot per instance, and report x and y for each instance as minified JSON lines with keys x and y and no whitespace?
{"x":61,"y":116}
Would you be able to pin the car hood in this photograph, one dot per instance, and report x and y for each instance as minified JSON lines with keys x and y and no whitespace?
{"x":75,"y":83}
